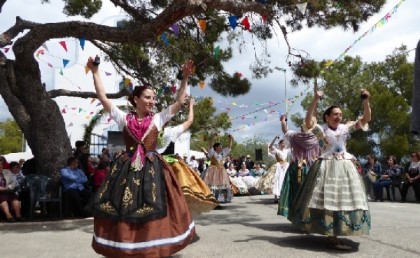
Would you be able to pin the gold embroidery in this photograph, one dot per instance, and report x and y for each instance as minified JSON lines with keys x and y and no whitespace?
{"x":127,"y":198}
{"x":107,"y":207}
{"x":114,"y":168}
{"x":152,"y":171}
{"x":145,"y":210}
{"x":154,"y":191}
{"x":136,"y":181}
{"x":103,"y":189}
{"x":137,"y":165}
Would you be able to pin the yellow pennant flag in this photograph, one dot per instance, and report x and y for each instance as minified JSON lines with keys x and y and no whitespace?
{"x":87,"y":69}
{"x":202,"y":84}
{"x":203,"y":25}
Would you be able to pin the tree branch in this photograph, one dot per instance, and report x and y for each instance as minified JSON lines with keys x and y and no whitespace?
{"x":85,"y":94}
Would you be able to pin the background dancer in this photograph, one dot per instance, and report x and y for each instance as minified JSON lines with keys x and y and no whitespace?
{"x":304,"y":151}
{"x":332,"y":200}
{"x":140,"y":210}
{"x":216,"y":176}
{"x":198,"y":195}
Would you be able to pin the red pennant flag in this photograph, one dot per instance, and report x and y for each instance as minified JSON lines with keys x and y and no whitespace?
{"x":245,"y":22}
{"x":6,"y":49}
{"x":50,"y":65}
{"x":63,"y":44}
{"x":264,"y":18}
{"x":63,"y":111}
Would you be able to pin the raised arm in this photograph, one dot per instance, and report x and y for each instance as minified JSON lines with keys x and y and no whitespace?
{"x":190,"y":118}
{"x":182,"y":92}
{"x":283,"y":122}
{"x":230,"y":141}
{"x":366,"y":108}
{"x":309,"y":121}
{"x":272,"y":142}
{"x":99,"y":87}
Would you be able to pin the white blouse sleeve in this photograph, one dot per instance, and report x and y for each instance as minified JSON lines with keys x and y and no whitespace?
{"x":118,"y":116}
{"x":162,"y":117}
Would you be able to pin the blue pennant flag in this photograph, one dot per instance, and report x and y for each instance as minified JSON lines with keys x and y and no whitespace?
{"x":82,"y":42}
{"x":65,"y":62}
{"x":233,"y":21}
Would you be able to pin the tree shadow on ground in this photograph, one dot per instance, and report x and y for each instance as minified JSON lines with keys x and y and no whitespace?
{"x":306,"y":242}
{"x":85,"y":225}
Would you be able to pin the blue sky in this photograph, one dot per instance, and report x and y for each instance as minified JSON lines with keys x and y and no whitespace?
{"x":401,"y":28}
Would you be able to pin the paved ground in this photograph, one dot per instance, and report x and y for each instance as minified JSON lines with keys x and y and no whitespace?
{"x":247,"y":227}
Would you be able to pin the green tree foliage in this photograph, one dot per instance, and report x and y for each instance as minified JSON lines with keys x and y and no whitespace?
{"x":147,"y":48}
{"x":10,"y":137}
{"x":390,"y":83}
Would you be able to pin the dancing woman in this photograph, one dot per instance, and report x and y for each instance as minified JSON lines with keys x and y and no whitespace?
{"x":140,"y":210}
{"x":304,"y":151}
{"x":216,"y":176}
{"x":198,"y":195}
{"x":331,"y":200}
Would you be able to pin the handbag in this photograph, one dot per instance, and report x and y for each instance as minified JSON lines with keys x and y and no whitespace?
{"x":372,"y":176}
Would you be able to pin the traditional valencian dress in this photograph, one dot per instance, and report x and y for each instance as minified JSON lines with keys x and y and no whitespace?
{"x":140,"y":210}
{"x":198,"y":195}
{"x":272,"y":181}
{"x":304,"y":151}
{"x":332,"y":200}
{"x":216,"y":176}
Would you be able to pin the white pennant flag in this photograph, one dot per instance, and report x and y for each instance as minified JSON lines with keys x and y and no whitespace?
{"x":45,"y":46}
{"x":302,"y":7}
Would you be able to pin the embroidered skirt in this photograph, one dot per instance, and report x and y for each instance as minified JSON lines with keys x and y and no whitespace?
{"x":331,"y":201}
{"x":198,"y":195}
{"x":141,"y":213}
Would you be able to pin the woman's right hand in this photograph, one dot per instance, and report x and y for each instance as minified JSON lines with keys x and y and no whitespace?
{"x":91,"y":66}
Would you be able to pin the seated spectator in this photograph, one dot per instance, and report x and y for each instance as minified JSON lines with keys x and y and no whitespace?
{"x":387,"y":177}
{"x":76,"y":195}
{"x":194,"y":164}
{"x":258,"y":171}
{"x":249,"y":163}
{"x":243,"y":171}
{"x":5,"y":163}
{"x":412,"y":177}
{"x":247,"y":178}
{"x":100,"y":173}
{"x":8,"y":195}
{"x":371,"y":172}
{"x":231,"y":170}
{"x":17,"y":173}
{"x":22,"y":192}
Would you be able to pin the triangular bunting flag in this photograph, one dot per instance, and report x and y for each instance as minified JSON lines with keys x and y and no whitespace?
{"x":50,"y":65}
{"x":202,"y":84}
{"x":82,"y":42}
{"x":87,"y":69}
{"x":165,"y":39}
{"x":65,"y":62}
{"x":61,"y":72}
{"x":108,"y":74}
{"x":175,"y":29}
{"x":63,"y":111}
{"x":302,"y":7}
{"x":6,"y":49}
{"x":63,"y":44}
{"x":217,"y":52}
{"x":245,"y":22}
{"x":203,"y":25}
{"x":93,"y":100}
{"x":233,"y":21}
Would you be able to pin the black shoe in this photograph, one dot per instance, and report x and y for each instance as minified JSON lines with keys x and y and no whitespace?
{"x":20,"y":219}
{"x":11,"y":220}
{"x":276,"y":200}
{"x":218,"y":207}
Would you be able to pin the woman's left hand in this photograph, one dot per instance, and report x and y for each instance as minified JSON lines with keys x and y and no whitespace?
{"x":187,"y":68}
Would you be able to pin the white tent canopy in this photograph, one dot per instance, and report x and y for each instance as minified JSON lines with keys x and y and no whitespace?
{"x":18,"y":155}
{"x":197,"y":154}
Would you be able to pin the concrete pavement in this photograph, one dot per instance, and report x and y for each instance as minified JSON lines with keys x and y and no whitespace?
{"x":247,"y":227}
